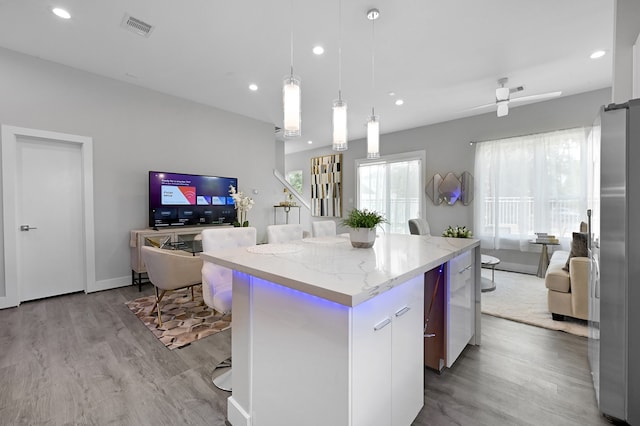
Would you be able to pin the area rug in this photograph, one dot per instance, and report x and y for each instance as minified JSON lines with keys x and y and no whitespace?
{"x":523,"y":298}
{"x":183,"y":321}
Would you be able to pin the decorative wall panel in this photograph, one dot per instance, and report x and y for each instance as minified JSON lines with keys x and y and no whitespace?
{"x":326,"y":185}
{"x":451,"y":188}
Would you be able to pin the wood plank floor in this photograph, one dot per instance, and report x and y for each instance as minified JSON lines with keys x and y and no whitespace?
{"x":86,"y":360}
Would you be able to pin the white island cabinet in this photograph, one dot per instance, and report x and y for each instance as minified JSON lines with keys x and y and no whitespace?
{"x":460,"y":318}
{"x":326,"y":334}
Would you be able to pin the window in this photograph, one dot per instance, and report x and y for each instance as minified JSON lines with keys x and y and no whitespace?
{"x":529,"y":184}
{"x":392,"y":185}
{"x":294,"y":177}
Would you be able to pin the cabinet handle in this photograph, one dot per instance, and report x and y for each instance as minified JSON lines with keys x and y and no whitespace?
{"x":464,"y":269}
{"x":382,"y":325}
{"x":402,"y":311}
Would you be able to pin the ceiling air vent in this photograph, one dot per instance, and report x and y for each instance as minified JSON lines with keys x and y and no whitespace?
{"x":136,"y":25}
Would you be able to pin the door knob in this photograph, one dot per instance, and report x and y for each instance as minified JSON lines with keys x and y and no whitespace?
{"x":26,"y":227}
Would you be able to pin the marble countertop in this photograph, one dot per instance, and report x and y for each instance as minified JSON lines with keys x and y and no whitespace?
{"x":329,"y":267}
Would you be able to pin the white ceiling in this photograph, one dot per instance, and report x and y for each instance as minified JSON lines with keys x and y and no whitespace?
{"x":441,"y":57}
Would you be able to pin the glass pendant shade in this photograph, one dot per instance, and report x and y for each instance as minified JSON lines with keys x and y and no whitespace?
{"x":340,"y":140}
{"x":291,"y":99}
{"x":503,"y":108}
{"x":373,"y":137}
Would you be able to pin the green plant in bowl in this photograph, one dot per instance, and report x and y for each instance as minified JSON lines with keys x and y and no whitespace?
{"x":363,"y":219}
{"x":363,"y":225}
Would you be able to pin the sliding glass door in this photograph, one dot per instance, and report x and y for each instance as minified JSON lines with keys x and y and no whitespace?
{"x":393,"y":186}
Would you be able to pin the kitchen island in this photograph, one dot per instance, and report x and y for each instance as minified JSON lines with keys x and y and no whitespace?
{"x":327,"y":334}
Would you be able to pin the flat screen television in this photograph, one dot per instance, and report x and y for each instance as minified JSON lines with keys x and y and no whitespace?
{"x":179,"y":199}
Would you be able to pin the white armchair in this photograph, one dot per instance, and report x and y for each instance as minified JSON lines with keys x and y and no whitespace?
{"x":170,"y":270}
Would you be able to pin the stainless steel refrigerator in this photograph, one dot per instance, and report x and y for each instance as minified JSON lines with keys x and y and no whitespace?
{"x":614,"y":290}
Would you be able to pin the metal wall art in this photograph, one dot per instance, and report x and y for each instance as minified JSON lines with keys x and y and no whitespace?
{"x":451,"y":188}
{"x":326,"y":185}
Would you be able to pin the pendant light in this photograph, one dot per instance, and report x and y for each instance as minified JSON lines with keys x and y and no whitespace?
{"x":373,"y":124}
{"x":340,"y":134}
{"x":291,"y":98}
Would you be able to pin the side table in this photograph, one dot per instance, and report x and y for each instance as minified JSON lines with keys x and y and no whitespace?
{"x":489,"y":262}
{"x":544,"y":257}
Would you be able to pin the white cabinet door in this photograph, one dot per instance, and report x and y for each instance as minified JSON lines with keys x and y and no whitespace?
{"x":371,"y":363}
{"x":387,"y":361}
{"x":407,"y":394}
{"x":460,"y":309}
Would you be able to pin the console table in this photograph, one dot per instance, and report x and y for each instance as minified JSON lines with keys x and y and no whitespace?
{"x":287,"y":209}
{"x":322,"y":324}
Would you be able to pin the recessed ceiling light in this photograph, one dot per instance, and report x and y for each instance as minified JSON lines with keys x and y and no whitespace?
{"x":309,"y":142}
{"x":318,"y":50}
{"x":597,"y":54}
{"x":61,"y":13}
{"x":253,"y":87}
{"x":399,"y":102}
{"x":392,"y":93}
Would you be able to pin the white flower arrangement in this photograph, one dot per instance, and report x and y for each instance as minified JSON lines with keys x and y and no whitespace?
{"x":457,"y":232}
{"x":242,"y":204}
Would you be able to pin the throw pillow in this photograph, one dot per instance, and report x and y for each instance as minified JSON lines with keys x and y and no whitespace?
{"x":578,"y":247}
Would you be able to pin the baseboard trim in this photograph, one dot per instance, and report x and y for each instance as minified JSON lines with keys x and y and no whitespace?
{"x":517,"y":267}
{"x":110,"y":284}
{"x":8,"y":302}
{"x":236,"y":414}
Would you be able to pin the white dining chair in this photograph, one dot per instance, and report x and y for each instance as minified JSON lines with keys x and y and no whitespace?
{"x":217,"y":280}
{"x":277,"y":234}
{"x":419,"y":227}
{"x":323,"y":228}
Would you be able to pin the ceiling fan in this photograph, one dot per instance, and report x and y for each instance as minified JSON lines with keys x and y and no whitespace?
{"x":503,"y":97}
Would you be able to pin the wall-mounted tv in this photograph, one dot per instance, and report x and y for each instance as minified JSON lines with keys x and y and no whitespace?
{"x":178,"y":199}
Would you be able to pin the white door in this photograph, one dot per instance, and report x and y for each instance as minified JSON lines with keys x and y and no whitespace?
{"x":49,"y":190}
{"x":47,"y":204}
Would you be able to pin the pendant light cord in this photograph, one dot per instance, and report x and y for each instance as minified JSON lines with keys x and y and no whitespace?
{"x":373,"y":63}
{"x":291,"y":38}
{"x":340,"y":50}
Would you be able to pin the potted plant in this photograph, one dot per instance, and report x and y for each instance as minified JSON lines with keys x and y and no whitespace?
{"x":242,"y":204}
{"x":362,"y":224}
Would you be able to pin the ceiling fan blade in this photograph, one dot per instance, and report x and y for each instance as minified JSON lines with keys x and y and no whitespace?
{"x":480,"y":106}
{"x":516,"y":89}
{"x":536,"y":97}
{"x":520,"y":99}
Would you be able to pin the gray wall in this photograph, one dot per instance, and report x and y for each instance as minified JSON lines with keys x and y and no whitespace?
{"x":627,"y":27}
{"x":448,"y":150}
{"x":135,"y":130}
